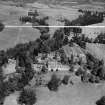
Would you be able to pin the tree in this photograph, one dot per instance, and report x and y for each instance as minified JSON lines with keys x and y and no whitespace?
{"x":54,"y":83}
{"x":44,"y":47}
{"x":25,"y":19}
{"x":86,"y":19}
{"x":44,"y":36}
{"x":43,"y":30}
{"x":101,"y":101}
{"x":100,"y":38}
{"x":1,"y":73}
{"x":1,"y":26}
{"x":3,"y":58}
{"x":65,"y":79}
{"x":20,"y":57}
{"x":79,"y":72}
{"x":94,"y":79}
{"x":58,"y":37}
{"x":66,"y":40}
{"x":2,"y":93}
{"x":27,"y":97}
{"x":9,"y":87}
{"x":77,"y":30}
{"x":44,"y":69}
{"x":28,"y":73}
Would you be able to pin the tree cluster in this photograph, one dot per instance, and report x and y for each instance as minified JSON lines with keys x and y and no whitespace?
{"x":2,"y":26}
{"x":100,"y":38}
{"x":65,"y":79}
{"x":27,"y":97}
{"x":87,"y":18}
{"x":25,"y":19}
{"x":16,"y":82}
{"x":96,"y":67}
{"x":101,"y":101}
{"x":81,"y":40}
{"x":34,"y":20}
{"x":54,"y":83}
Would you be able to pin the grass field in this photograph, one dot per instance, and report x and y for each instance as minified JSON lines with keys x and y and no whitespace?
{"x":9,"y":15}
{"x":9,"y":37}
{"x":98,"y":50}
{"x":77,"y":94}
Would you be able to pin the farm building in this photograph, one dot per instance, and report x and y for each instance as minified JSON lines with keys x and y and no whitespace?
{"x":37,"y":67}
{"x":33,"y":13}
{"x":51,"y":54}
{"x":54,"y":65}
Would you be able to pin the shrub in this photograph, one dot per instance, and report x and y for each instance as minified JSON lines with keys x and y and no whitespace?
{"x":27,"y":97}
{"x":25,"y":19}
{"x":65,"y":79}
{"x":79,"y":72}
{"x":44,"y":69}
{"x":54,"y":83}
{"x":2,"y":90}
{"x":52,"y":70}
{"x":72,"y":68}
{"x":44,"y":36}
{"x":101,"y":101}
{"x":1,"y":27}
{"x":92,"y":79}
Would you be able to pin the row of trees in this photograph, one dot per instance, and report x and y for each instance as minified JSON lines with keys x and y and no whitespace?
{"x":95,"y":66}
{"x":100,"y":38}
{"x":17,"y":82}
{"x":55,"y":82}
{"x":81,"y":40}
{"x":27,"y":97}
{"x":3,"y":60}
{"x":88,"y":19}
{"x":33,"y":18}
{"x":44,"y":44}
{"x":91,"y":12}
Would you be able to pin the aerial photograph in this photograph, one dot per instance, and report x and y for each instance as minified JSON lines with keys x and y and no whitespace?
{"x":52,"y":52}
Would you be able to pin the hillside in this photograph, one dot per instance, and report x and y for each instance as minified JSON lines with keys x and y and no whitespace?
{"x":57,"y":1}
{"x":96,"y":50}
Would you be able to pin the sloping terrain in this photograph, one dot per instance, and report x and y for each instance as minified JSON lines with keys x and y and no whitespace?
{"x":9,"y":15}
{"x":10,"y":36}
{"x":75,"y":50}
{"x":12,"y":99}
{"x":77,"y":94}
{"x":53,"y":1}
{"x":97,"y":50}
